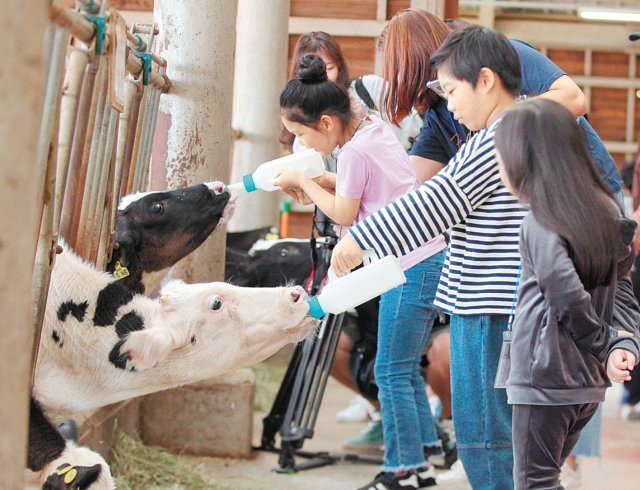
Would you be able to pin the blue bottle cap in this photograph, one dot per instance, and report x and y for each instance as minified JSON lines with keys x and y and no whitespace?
{"x":248,"y":182}
{"x":315,"y":310}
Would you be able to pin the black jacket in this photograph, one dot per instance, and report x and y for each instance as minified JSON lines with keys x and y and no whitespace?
{"x":563,"y":334}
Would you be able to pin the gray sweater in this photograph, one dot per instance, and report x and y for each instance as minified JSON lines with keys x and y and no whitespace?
{"x":562,"y":334}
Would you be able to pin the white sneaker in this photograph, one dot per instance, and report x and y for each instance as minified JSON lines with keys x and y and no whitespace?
{"x":570,"y":478}
{"x":455,"y":473}
{"x":359,"y":410}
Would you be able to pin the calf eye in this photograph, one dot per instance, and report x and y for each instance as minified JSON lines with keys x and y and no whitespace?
{"x":157,"y":208}
{"x":216,"y":303}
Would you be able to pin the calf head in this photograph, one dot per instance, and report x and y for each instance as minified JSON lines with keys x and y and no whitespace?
{"x":156,"y":229}
{"x":217,"y":327}
{"x":77,"y":468}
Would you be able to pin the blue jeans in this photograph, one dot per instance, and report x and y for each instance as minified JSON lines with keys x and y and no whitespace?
{"x":406,"y":317}
{"x":481,"y":415}
{"x":589,"y":440}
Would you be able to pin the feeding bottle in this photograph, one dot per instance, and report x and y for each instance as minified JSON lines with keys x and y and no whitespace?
{"x":309,"y":162}
{"x":346,"y":292}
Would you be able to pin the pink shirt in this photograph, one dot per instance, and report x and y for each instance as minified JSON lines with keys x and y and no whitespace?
{"x":375,"y":168}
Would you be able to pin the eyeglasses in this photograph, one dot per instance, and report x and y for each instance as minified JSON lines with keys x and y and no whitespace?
{"x":435,"y":86}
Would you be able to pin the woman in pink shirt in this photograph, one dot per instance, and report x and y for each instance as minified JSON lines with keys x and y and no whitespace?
{"x":373,"y":169}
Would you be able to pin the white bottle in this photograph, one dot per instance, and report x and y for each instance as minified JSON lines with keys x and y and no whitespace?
{"x":346,"y":292}
{"x":309,"y":162}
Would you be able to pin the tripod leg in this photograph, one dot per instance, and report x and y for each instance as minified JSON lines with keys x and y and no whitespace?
{"x":272,"y":422}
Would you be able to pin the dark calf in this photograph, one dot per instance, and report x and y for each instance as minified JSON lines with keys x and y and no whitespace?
{"x":154,"y":230}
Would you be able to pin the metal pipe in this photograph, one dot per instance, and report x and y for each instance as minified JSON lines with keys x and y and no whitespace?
{"x":153,"y":117}
{"x":47,"y":141}
{"x":131,"y":137}
{"x":77,"y":25}
{"x":94,"y":175}
{"x":73,"y":194}
{"x":132,"y":184}
{"x":106,"y":162}
{"x":78,"y":60}
{"x":91,"y":141}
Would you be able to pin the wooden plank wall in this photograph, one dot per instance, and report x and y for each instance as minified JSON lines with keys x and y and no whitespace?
{"x":608,"y":105}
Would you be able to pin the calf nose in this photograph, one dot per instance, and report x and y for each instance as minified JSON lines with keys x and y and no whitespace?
{"x":217,"y":187}
{"x":296,"y":293}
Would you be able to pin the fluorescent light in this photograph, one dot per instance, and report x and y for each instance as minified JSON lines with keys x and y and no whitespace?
{"x":617,"y":15}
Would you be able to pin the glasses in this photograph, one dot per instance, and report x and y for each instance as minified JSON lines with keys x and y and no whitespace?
{"x":435,"y":86}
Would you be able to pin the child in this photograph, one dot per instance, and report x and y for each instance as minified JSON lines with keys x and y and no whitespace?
{"x":575,"y":248}
{"x":372,"y":170}
{"x":479,"y":71}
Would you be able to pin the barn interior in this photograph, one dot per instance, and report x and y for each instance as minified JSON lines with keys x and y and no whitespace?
{"x":106,"y":98}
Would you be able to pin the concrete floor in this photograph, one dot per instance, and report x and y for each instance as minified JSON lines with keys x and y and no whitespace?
{"x":619,"y":466}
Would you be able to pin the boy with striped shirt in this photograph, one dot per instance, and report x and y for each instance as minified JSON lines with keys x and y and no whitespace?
{"x":479,"y":72}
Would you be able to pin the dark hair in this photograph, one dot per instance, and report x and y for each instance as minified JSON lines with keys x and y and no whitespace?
{"x":316,"y":42}
{"x":547,"y":162}
{"x":320,"y":42}
{"x":311,"y":94}
{"x":469,"y":49}
{"x":412,"y":37}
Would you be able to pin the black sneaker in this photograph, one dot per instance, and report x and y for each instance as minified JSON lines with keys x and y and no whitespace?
{"x":449,"y":454}
{"x":390,"y":481}
{"x":426,"y":477}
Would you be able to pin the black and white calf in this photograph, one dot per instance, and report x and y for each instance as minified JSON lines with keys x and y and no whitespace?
{"x":154,"y":230}
{"x":101,"y":343}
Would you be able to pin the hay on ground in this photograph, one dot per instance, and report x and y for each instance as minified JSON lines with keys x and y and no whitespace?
{"x":136,"y":466}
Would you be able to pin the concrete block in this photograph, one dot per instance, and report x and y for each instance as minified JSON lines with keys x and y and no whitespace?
{"x":209,"y":418}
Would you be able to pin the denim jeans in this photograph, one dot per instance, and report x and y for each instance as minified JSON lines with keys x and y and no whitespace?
{"x":589,"y":440}
{"x":481,"y":415}
{"x":406,"y":317}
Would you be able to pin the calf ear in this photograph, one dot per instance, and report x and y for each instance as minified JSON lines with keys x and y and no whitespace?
{"x":148,"y":347}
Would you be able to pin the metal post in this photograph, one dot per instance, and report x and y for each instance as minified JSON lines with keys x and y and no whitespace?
{"x":193,"y":135}
{"x":261,"y":50}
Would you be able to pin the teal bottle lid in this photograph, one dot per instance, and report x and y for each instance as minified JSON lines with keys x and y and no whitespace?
{"x":315,"y":310}
{"x":248,"y":182}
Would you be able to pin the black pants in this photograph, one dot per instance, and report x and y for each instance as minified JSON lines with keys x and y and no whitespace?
{"x":543,"y":437}
{"x":633,"y":386}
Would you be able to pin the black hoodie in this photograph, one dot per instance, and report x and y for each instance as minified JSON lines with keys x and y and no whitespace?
{"x":562,"y":334}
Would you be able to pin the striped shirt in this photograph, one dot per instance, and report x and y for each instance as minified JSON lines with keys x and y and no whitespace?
{"x":467,"y":196}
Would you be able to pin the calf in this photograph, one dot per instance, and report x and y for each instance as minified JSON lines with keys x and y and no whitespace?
{"x":60,"y":463}
{"x":101,"y":343}
{"x":156,"y":229}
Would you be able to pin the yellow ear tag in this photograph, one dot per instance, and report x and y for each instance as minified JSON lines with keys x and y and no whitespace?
{"x":70,"y":476}
{"x":121,"y":271}
{"x":65,"y":470}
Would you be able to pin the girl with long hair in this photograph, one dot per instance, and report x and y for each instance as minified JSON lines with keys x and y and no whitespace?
{"x":576,"y":254}
{"x":373,"y":169}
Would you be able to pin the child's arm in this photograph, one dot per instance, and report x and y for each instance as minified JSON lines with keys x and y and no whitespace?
{"x":437,"y":205}
{"x":341,"y":210}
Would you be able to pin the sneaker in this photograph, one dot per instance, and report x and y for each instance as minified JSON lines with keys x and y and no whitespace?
{"x":359,"y":410}
{"x":426,"y":477}
{"x":570,"y":478}
{"x":391,"y":481}
{"x":449,"y":453}
{"x":369,"y":440}
{"x":629,"y":412}
{"x":455,"y":473}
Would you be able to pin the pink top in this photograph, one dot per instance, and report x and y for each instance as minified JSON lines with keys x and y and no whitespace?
{"x":375,"y":168}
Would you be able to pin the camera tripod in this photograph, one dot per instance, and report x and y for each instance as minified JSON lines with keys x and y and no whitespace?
{"x":295,"y":409}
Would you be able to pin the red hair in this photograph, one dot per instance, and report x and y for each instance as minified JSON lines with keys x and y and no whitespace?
{"x":413,"y":36}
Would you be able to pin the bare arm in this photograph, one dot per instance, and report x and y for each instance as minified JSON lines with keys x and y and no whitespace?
{"x":566,"y":92}
{"x":424,"y":167}
{"x":341,"y":210}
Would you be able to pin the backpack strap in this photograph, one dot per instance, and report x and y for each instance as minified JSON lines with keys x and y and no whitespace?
{"x":363,"y":93}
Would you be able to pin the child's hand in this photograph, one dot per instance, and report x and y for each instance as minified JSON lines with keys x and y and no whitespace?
{"x":345,"y":256}
{"x":619,"y":365}
{"x":299,"y":195}
{"x":288,"y":177}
